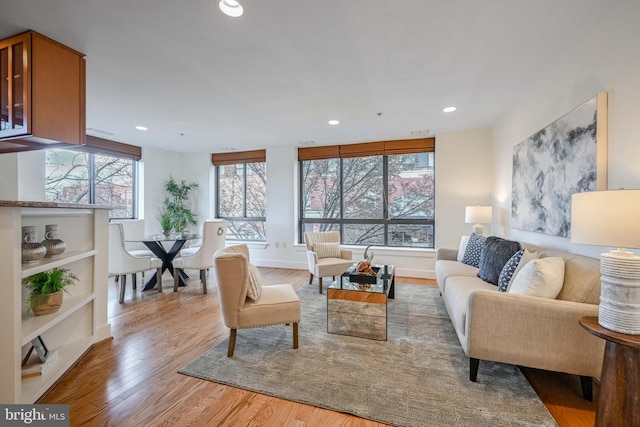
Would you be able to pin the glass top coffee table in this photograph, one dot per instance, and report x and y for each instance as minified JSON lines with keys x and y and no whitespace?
{"x":357,"y":305}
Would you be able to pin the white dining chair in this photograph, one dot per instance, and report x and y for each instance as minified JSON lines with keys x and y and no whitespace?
{"x":214,"y":233}
{"x":122,"y":262}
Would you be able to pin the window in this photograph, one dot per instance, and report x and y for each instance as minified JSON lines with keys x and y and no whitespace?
{"x":83,"y":177}
{"x":383,"y":198}
{"x":241,"y":185}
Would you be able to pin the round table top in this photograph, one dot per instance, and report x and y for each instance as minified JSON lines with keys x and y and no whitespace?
{"x":591,"y":324}
{"x":162,"y":238}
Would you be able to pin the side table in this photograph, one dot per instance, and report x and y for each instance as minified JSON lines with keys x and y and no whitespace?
{"x":619,"y":399}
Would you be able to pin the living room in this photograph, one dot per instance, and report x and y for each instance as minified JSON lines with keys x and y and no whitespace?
{"x":473,"y":164}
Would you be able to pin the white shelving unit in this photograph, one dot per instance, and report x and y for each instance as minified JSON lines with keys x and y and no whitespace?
{"x":82,"y":319}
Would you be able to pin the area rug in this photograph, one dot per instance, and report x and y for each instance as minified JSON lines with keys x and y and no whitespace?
{"x":418,"y":377}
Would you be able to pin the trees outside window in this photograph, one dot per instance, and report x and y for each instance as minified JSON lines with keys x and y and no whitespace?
{"x":386,"y":200}
{"x":242,"y":200}
{"x":80,"y":177}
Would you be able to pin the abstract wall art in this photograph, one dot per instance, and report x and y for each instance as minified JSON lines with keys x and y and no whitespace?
{"x":566,"y":157}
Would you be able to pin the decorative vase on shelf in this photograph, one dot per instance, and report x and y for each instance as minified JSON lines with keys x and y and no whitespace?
{"x":32,"y":250}
{"x":51,"y":242}
{"x":46,"y":303}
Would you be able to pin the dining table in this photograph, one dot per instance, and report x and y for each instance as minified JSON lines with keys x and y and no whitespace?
{"x":156,"y":244}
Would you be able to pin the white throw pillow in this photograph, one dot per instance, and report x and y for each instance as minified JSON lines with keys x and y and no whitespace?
{"x":255,"y":283}
{"x":463,"y":247}
{"x":542,"y":277}
{"x":526,"y":257}
{"x":327,"y":250}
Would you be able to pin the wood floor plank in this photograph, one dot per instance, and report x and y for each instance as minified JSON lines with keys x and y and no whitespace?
{"x":132,"y":379}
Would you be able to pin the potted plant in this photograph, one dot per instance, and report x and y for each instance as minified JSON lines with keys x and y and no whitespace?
{"x":176,"y":204}
{"x":166,"y":221}
{"x":46,"y":289}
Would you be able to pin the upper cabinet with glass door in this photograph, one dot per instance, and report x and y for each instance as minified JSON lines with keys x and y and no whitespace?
{"x":42,"y":93}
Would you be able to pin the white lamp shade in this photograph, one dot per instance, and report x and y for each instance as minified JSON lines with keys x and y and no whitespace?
{"x":606,"y":218}
{"x":478,"y":214}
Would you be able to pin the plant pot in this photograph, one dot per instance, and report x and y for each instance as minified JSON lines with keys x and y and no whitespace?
{"x":46,"y":303}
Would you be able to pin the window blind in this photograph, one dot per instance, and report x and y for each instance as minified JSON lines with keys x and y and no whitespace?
{"x":111,"y":148}
{"x":237,"y":157}
{"x":380,"y":148}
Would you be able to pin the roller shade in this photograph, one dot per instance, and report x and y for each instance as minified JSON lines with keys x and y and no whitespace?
{"x":237,"y":157}
{"x":380,"y":148}
{"x":110,"y":148}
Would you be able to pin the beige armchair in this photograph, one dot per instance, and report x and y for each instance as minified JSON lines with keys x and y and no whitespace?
{"x":325,"y":256}
{"x":274,"y":304}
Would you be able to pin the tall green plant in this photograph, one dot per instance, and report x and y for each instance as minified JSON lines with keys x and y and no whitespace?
{"x":176,"y":204}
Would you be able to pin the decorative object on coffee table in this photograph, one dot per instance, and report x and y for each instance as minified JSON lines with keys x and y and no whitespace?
{"x":368,"y":256}
{"x":51,"y":242}
{"x":46,"y":289}
{"x":612,"y":218}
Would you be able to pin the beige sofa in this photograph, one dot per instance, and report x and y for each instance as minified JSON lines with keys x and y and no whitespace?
{"x":525,"y":330}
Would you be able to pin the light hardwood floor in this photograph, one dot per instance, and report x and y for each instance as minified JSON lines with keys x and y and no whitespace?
{"x":132,"y":379}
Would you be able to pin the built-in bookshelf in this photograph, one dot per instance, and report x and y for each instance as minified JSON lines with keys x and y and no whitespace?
{"x":82,"y":319}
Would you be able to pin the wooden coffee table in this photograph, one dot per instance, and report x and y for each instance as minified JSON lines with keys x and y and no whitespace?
{"x":360,"y":309}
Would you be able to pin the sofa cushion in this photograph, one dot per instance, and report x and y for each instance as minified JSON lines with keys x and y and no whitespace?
{"x":541,"y":277}
{"x":464,"y":240}
{"x":255,"y":282}
{"x":447,"y":268}
{"x":327,"y":250}
{"x":495,"y":254}
{"x":524,"y":258}
{"x":507,"y":271}
{"x":473,"y":250}
{"x":457,"y":296}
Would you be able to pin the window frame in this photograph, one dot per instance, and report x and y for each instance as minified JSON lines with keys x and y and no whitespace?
{"x":386,"y":222}
{"x":91,"y":179}
{"x":244,"y":218}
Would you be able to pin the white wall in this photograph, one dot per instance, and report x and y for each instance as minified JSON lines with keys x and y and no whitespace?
{"x":607,"y":60}
{"x":9,"y":177}
{"x":158,"y":166}
{"x":464,"y":176}
{"x":22,"y":176}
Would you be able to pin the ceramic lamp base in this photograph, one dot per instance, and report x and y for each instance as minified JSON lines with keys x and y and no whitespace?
{"x":619,"y":309}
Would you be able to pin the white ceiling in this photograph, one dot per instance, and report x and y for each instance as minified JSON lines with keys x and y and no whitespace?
{"x":204,"y":82}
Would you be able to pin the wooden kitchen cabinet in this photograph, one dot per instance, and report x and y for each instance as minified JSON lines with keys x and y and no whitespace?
{"x":42,"y":93}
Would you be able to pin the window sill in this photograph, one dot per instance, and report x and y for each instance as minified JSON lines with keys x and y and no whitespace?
{"x":250,"y":244}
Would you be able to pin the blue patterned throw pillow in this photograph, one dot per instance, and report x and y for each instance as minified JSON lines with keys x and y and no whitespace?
{"x":495,"y":254}
{"x":473,"y":250}
{"x":508,"y":270}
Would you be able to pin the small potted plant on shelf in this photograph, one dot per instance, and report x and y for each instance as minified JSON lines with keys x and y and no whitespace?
{"x":46,"y":289}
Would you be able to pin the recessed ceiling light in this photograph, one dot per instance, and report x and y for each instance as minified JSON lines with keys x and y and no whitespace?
{"x":231,"y":8}
{"x":334,"y":122}
{"x":449,"y":109}
{"x":141,"y":127}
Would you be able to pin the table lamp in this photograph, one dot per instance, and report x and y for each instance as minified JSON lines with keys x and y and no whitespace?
{"x":612,"y":218}
{"x":478,"y":215}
